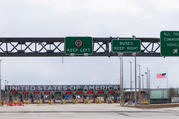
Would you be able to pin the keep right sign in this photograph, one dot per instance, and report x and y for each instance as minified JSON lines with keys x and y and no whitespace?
{"x":169,"y":41}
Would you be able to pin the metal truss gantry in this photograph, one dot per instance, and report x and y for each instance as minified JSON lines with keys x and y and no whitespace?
{"x":55,"y":47}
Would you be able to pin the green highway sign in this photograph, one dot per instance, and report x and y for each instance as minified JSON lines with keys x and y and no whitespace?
{"x":78,"y":45}
{"x":169,"y":42}
{"x":127,"y":46}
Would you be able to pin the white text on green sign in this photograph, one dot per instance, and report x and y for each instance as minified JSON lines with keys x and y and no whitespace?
{"x":78,"y":45}
{"x":126,"y":46}
{"x":169,"y":41}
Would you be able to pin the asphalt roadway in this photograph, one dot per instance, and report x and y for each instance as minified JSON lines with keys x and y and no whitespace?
{"x":85,"y":111}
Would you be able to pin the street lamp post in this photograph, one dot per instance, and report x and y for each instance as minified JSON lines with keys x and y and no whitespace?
{"x":148,"y":83}
{"x":142,"y":81}
{"x":146,"y":80}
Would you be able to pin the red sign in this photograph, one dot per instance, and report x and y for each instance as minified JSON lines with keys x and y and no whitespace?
{"x":68,"y":92}
{"x":36,"y":92}
{"x":101,"y":92}
{"x":25,"y":92}
{"x":90,"y":92}
{"x":46,"y":93}
{"x":111,"y":92}
{"x":79,"y":92}
{"x":14,"y":93}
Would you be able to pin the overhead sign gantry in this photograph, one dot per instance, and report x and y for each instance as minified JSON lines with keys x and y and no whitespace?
{"x":47,"y":46}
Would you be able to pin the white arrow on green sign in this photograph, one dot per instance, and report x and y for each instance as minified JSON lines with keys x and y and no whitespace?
{"x":169,"y":42}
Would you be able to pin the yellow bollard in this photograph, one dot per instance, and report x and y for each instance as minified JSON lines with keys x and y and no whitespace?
{"x":64,"y":101}
{"x":28,"y":102}
{"x":84,"y":101}
{"x":49,"y":102}
{"x":88,"y":101}
{"x":112,"y":101}
{"x":60,"y":101}
{"x":141,"y":98}
{"x":76,"y":101}
{"x":100,"y":101}
{"x":52,"y":101}
{"x":40,"y":101}
{"x":96,"y":102}
{"x":72,"y":101}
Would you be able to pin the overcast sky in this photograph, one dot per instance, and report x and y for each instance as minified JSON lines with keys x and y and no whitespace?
{"x":96,"y":18}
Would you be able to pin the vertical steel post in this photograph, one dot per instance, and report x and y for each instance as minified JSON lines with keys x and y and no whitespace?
{"x":142,"y":81}
{"x":149,"y":85}
{"x":121,"y":79}
{"x":131,"y":75}
{"x":134,"y":38}
{"x":167,"y":78}
{"x":135,"y":82}
{"x":139,"y":84}
{"x":0,"y":83}
{"x":146,"y":80}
